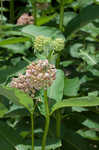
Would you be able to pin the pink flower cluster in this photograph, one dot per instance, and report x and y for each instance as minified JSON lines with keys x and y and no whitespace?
{"x":38,"y":75}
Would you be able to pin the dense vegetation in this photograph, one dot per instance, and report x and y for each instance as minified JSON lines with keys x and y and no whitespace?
{"x":49,"y":74}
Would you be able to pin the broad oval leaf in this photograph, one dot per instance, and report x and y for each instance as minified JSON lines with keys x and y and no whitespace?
{"x":56,"y":90}
{"x":43,"y":30}
{"x":71,"y":86}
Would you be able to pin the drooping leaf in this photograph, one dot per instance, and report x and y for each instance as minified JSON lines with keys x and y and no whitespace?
{"x":18,"y":97}
{"x":45,"y":19}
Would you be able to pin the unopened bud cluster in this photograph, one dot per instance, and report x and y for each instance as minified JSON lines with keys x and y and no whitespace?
{"x":38,"y":75}
{"x":58,"y":44}
{"x":42,"y":43}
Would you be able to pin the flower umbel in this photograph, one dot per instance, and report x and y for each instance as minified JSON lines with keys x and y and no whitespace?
{"x":38,"y":75}
{"x":41,"y":43}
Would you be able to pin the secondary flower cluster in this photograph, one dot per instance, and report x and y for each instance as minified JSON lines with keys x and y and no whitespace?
{"x":42,"y":43}
{"x":25,"y":19}
{"x":38,"y":75}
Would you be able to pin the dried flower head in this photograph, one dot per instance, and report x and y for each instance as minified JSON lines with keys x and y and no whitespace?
{"x":41,"y":43}
{"x":41,"y":74}
{"x":23,"y":84}
{"x":58,"y":44}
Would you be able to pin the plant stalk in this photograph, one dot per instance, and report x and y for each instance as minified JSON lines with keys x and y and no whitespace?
{"x":58,"y":125}
{"x":47,"y":120}
{"x":32,"y":127}
{"x":11,"y":11}
{"x":61,"y":15}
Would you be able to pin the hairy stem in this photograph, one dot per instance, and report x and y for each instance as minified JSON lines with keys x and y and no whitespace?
{"x":61,"y":15}
{"x":47,"y":121}
{"x":11,"y":11}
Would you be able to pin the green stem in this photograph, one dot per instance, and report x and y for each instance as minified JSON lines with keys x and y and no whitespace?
{"x":34,"y":10}
{"x":11,"y":11}
{"x":61,"y":15}
{"x":32,"y":127}
{"x":1,"y":3}
{"x":47,"y":120}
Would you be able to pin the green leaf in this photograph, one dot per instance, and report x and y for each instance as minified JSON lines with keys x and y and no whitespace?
{"x":18,"y":97}
{"x":66,"y":63}
{"x":14,"y":40}
{"x":87,"y":15}
{"x":43,"y":30}
{"x":56,"y":90}
{"x":3,"y":110}
{"x":78,"y":102}
{"x":71,"y":86}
